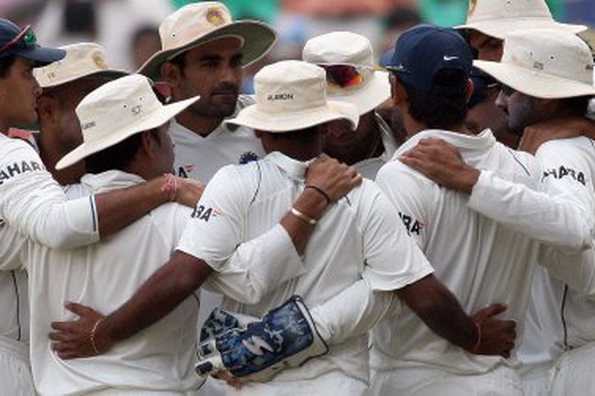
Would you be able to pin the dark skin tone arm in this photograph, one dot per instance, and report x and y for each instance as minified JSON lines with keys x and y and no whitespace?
{"x":440,"y":310}
{"x":183,"y":273}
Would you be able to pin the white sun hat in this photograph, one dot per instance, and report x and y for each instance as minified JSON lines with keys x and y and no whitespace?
{"x":81,"y":60}
{"x":496,"y":18}
{"x":545,"y":64}
{"x":371,"y":87}
{"x":199,"y":23}
{"x":291,"y":95}
{"x":117,"y":110}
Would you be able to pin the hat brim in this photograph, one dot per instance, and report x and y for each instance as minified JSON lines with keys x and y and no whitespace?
{"x":153,"y":120}
{"x":41,"y":56}
{"x":533,"y":83}
{"x":100,"y":73}
{"x":253,"y":118}
{"x":500,"y":28}
{"x":258,"y":39}
{"x":367,"y":98}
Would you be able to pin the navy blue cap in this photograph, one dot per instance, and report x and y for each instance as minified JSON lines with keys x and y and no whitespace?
{"x":15,"y":41}
{"x":424,"y":50}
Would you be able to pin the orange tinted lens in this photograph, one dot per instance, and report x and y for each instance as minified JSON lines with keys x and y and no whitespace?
{"x":344,"y":76}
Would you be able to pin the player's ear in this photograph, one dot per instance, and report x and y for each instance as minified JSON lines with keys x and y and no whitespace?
{"x":469,"y":89}
{"x":171,"y":74}
{"x":47,"y":109}
{"x":398,"y":92}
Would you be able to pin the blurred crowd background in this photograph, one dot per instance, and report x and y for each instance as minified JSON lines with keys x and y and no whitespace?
{"x":128,"y":29}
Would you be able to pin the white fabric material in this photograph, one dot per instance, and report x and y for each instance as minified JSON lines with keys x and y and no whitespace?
{"x":573,"y":372}
{"x":480,"y":261}
{"x":161,"y":357}
{"x":33,"y":203}
{"x":355,"y":238}
{"x":199,"y":158}
{"x":14,"y":305}
{"x":558,"y":210}
{"x":369,"y":168}
{"x":326,"y":384}
{"x":536,"y":380}
{"x":15,"y":373}
{"x":503,"y":381}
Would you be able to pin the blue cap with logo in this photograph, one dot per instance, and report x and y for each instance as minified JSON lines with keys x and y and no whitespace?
{"x":15,"y":41}
{"x":424,"y":50}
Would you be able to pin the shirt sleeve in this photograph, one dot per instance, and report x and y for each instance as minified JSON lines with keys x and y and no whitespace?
{"x":393,"y":259}
{"x":11,"y":245}
{"x":351,"y":313}
{"x":215,"y":227}
{"x":258,"y":266}
{"x":576,"y":269}
{"x":35,"y":205}
{"x":559,"y":211}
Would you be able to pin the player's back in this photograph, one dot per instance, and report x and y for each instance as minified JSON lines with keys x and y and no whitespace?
{"x":480,"y":261}
{"x":104,"y":276}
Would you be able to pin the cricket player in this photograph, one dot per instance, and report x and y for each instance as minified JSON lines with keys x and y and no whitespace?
{"x":487,"y":24}
{"x":351,"y":252}
{"x":565,"y":312}
{"x":32,"y":203}
{"x":353,"y":77}
{"x":485,"y":262}
{"x":203,"y":53}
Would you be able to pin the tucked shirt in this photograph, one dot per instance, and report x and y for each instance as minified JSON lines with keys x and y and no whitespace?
{"x":479,"y":260}
{"x":356,"y":239}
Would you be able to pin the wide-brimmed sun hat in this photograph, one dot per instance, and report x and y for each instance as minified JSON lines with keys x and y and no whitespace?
{"x":544,"y":64}
{"x":117,"y":110}
{"x":200,"y":23}
{"x":81,"y":60}
{"x":497,"y":18}
{"x":351,"y":72}
{"x":291,"y":95}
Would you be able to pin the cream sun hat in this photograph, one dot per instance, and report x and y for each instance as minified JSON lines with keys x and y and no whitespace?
{"x":198,"y":23}
{"x":372,"y":87}
{"x":82,"y":60}
{"x":117,"y":110}
{"x":291,"y":95}
{"x":544,"y":64}
{"x":496,"y":18}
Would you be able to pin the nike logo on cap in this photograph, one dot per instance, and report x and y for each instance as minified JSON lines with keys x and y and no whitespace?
{"x":450,"y":58}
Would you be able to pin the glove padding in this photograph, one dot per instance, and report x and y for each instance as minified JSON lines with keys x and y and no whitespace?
{"x":256,"y":351}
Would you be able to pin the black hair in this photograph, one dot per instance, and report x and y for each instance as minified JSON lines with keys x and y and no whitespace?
{"x":5,"y":65}
{"x":402,"y":16}
{"x":578,"y":106}
{"x":118,"y":157}
{"x":445,"y":105}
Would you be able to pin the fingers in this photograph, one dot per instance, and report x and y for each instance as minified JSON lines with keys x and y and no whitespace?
{"x":81,"y":310}
{"x":493,"y":310}
{"x":60,"y":336}
{"x":63,"y":326}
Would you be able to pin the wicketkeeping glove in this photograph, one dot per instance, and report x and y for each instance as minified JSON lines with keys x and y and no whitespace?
{"x":285,"y":337}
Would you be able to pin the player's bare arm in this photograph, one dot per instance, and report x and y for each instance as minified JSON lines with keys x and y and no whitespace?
{"x":439,"y":309}
{"x":534,"y":136}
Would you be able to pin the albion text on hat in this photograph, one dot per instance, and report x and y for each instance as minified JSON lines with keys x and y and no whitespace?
{"x":291,"y":95}
{"x":117,"y":110}
{"x":198,"y":23}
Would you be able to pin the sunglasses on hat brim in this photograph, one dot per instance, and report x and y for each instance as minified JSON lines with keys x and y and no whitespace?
{"x":347,"y":76}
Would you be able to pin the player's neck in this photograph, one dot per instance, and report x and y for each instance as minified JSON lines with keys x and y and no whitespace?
{"x":202,"y":126}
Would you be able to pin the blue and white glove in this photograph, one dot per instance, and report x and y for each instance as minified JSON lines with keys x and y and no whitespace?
{"x":256,"y":351}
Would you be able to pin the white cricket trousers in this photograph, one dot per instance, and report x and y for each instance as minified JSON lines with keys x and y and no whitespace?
{"x":502,"y":381}
{"x":15,"y":371}
{"x":574,"y":372}
{"x":334,"y":383}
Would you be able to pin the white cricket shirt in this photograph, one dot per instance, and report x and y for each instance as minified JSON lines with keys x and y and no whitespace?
{"x":368,"y":168}
{"x":105,"y":275}
{"x":356,"y":237}
{"x":199,"y":157}
{"x":479,"y":260}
